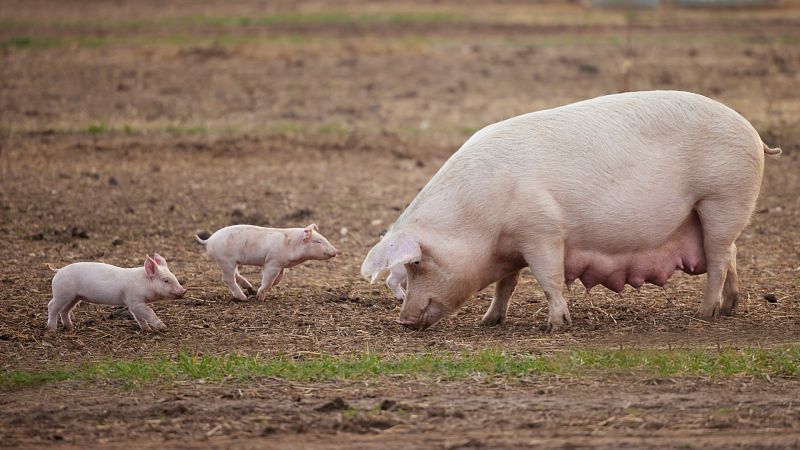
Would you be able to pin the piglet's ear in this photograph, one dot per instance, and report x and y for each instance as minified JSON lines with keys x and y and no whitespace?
{"x":308,"y":231}
{"x":393,"y":249}
{"x":150,"y":266}
{"x":160,"y":260}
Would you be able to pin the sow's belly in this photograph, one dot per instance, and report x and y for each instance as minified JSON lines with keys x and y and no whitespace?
{"x":683,"y":250}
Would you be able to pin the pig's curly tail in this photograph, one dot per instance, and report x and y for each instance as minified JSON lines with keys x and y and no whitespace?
{"x":771,"y":151}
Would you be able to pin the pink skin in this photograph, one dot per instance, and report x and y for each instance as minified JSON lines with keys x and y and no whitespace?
{"x":683,"y":251}
{"x":110,"y":285}
{"x":272,"y":249}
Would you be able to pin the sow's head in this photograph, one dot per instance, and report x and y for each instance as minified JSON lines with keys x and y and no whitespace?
{"x":434,"y":288}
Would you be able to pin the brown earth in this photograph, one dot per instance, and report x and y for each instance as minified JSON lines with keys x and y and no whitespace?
{"x":134,"y":143}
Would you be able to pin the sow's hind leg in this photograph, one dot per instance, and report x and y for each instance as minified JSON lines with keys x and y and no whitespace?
{"x":730,"y":290}
{"x":721,"y":226}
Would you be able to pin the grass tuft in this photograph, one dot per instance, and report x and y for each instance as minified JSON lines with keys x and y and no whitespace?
{"x":96,"y":128}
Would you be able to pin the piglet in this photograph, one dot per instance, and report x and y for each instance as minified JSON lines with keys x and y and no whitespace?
{"x":273,"y":249}
{"x":110,"y":285}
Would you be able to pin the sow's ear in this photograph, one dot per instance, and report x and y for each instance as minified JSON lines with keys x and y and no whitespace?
{"x":393,"y":249}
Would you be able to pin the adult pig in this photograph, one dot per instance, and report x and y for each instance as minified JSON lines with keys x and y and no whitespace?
{"x":620,"y":189}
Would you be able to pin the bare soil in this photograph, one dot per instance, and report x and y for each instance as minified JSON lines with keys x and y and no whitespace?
{"x":341,"y":125}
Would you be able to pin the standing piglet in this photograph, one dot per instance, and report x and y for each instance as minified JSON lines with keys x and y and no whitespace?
{"x":111,"y":285}
{"x":273,"y":249}
{"x":620,"y":189}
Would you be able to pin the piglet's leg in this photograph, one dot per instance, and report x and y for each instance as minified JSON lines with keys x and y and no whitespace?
{"x":146,"y":317}
{"x":242,"y":281}
{"x":269,"y":274}
{"x":229,"y":277}
{"x":53,"y":311}
{"x":279,"y":277}
{"x":496,"y":314}
{"x":66,"y":313}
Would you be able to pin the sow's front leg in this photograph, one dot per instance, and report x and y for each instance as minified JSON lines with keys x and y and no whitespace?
{"x":496,"y":314}
{"x":546,"y":260}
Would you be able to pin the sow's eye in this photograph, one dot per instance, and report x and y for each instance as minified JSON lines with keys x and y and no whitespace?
{"x":166,"y":280}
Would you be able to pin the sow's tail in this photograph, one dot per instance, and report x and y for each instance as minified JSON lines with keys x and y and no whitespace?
{"x":52,"y":268}
{"x":771,"y":151}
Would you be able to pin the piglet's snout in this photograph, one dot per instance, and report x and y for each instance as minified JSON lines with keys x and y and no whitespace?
{"x":181,"y":293}
{"x":332,"y":252}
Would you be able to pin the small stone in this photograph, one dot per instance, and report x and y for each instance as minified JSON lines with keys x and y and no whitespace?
{"x":113,"y":181}
{"x":117,"y":241}
{"x":771,"y":298}
{"x":387,"y":405}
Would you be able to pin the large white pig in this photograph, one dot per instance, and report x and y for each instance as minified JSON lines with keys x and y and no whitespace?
{"x":620,"y":189}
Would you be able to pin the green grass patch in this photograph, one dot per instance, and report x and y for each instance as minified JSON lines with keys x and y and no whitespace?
{"x":291,"y":18}
{"x":31,"y":42}
{"x":96,"y":128}
{"x":488,"y":364}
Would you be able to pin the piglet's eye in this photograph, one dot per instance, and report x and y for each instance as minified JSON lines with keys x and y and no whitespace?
{"x":166,"y":281}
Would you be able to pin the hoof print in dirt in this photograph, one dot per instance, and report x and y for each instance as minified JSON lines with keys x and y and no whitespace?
{"x":337,"y":404}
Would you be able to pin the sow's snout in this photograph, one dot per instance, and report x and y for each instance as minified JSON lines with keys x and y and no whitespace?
{"x":420,"y":320}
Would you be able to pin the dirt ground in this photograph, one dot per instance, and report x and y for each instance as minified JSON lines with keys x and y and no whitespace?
{"x":133,"y":126}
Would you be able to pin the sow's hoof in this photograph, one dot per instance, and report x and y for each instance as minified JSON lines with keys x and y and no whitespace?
{"x":706,"y":315}
{"x":492,"y":320}
{"x":558,"y":326}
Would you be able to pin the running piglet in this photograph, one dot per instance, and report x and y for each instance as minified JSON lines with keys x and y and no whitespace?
{"x":111,"y":285}
{"x":273,"y":249}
